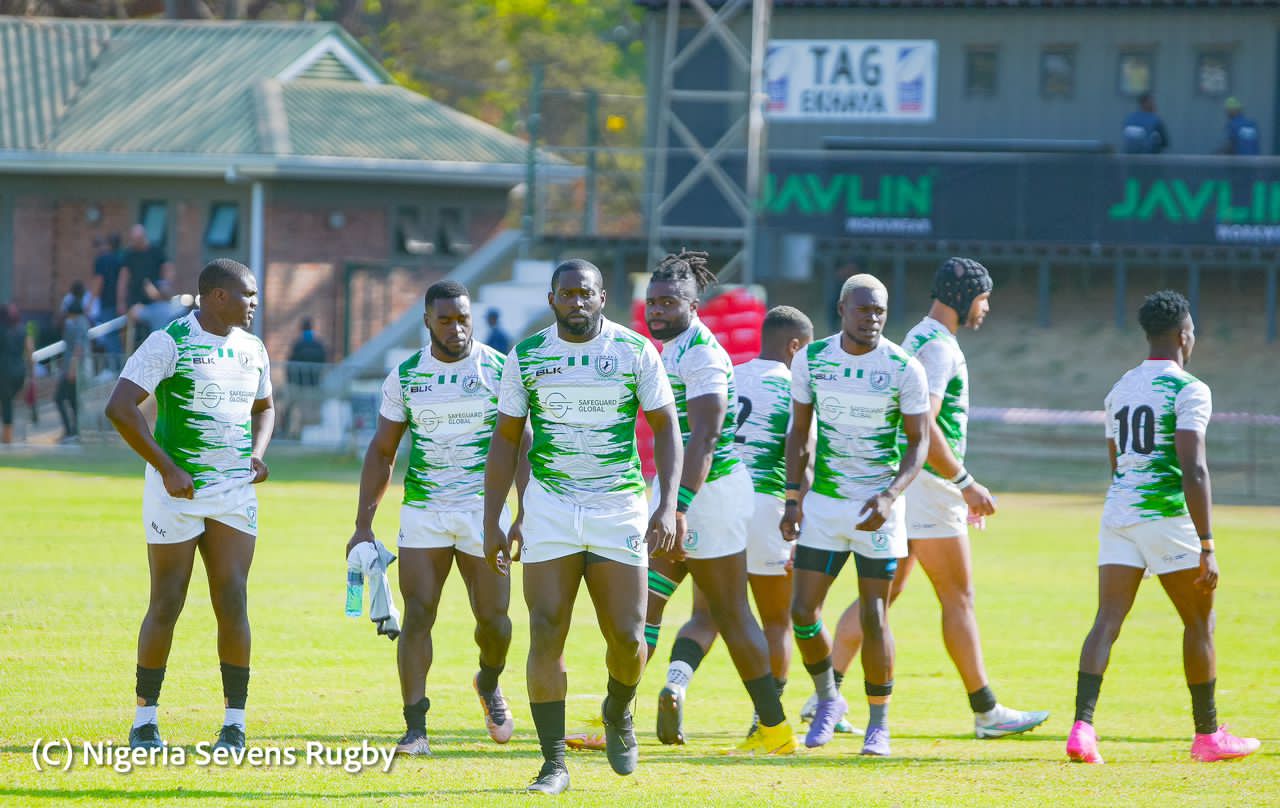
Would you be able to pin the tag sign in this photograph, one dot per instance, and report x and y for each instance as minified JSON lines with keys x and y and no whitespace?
{"x":852,"y":80}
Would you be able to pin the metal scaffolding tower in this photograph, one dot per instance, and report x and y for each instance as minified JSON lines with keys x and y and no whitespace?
{"x":741,"y":198}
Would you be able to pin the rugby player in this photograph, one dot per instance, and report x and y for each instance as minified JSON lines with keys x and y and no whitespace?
{"x":581,"y":384}
{"x":942,"y":499}
{"x":716,"y":497}
{"x":1158,"y":517}
{"x":863,"y":390}
{"x":447,"y":397}
{"x":212,"y":385}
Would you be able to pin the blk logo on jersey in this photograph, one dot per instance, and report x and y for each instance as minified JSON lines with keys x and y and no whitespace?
{"x":547,"y":371}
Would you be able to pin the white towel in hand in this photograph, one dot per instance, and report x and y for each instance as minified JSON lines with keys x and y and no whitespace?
{"x":373,"y":559}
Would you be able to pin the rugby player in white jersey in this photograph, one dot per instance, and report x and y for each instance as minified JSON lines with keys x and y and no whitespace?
{"x":764,"y":411}
{"x":1158,"y":517}
{"x":717,"y":499}
{"x":446,"y":395}
{"x":581,"y":384}
{"x":212,"y":384}
{"x":863,"y":391}
{"x":944,"y":496}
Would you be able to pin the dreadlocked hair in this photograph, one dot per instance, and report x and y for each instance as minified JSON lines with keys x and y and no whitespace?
{"x":686,"y":265}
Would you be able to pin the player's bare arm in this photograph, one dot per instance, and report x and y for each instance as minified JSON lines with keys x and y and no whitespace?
{"x":375,"y":475}
{"x":1192,"y":458}
{"x":943,"y":460}
{"x":665,"y":533}
{"x":499,"y":474}
{"x":799,"y":453}
{"x":916,"y":429}
{"x":123,"y":412}
{"x":515,"y":533}
{"x":262,"y":420}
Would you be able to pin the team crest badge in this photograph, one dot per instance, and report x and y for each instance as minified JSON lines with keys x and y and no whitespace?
{"x":633,"y":543}
{"x":691,"y":540}
{"x":246,"y":361}
{"x":879,"y":380}
{"x":470,"y":384}
{"x":252,"y":513}
{"x":607,"y":366}
{"x":879,"y":539}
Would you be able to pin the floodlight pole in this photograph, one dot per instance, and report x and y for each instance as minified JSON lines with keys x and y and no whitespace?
{"x":757,"y":150}
{"x":532,"y":126}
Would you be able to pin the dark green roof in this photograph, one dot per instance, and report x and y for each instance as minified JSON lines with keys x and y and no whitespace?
{"x":205,"y":90}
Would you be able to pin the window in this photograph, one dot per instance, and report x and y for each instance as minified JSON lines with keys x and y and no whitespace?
{"x":981,"y":67}
{"x":223,"y":232}
{"x":1058,"y":72}
{"x":154,"y":218}
{"x":1137,"y":72}
{"x":451,"y":233}
{"x":1213,"y":72}
{"x":411,"y":232}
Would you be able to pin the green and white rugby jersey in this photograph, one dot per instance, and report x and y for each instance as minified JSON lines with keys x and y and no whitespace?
{"x":1144,"y":409}
{"x":696,"y":366}
{"x":204,"y":386}
{"x":451,"y":408}
{"x":582,"y":399}
{"x":764,"y":414}
{"x":858,"y":403}
{"x":944,"y":365}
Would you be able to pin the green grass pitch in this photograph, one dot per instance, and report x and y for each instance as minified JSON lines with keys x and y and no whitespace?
{"x":75,"y":585}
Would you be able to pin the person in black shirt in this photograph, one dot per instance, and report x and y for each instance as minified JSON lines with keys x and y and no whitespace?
{"x":136,"y":286}
{"x":304,"y":371}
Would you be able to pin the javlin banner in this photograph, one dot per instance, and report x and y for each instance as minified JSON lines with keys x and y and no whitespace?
{"x":855,"y":80}
{"x":1065,"y":200}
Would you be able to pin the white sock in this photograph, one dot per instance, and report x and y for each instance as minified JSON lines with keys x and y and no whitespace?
{"x":144,"y":715}
{"x":679,"y":675}
{"x":234,"y":717}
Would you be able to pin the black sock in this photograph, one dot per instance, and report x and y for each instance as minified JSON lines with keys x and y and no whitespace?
{"x":415,"y":715}
{"x":147,"y":685}
{"x":687,"y":651}
{"x":1203,"y":709}
{"x":619,"y":698}
{"x":548,"y":719}
{"x":487,"y":680}
{"x":779,"y":685}
{"x":818,"y":667}
{"x":982,"y":700}
{"x":235,"y":685}
{"x":839,"y":677}
{"x":1087,"y":687}
{"x":764,"y":695}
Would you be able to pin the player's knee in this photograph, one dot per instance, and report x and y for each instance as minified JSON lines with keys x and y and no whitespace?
{"x":545,"y":632}
{"x":956,"y":601}
{"x":874,"y":619}
{"x":419,"y":613}
{"x":803,"y":614}
{"x":165,"y":607}
{"x":493,"y":627}
{"x":628,"y":643}
{"x":230,"y":601}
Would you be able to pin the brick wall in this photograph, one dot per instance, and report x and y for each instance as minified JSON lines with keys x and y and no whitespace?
{"x":33,"y":254}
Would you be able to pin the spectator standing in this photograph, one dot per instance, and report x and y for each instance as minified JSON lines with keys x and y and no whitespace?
{"x":15,"y":355}
{"x":304,"y":371}
{"x":75,"y":335}
{"x":1242,"y":131}
{"x":1144,"y":131}
{"x":498,"y":338}
{"x":140,"y":271}
{"x":106,"y":274}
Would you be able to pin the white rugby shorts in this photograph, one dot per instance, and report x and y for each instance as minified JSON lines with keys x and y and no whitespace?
{"x":935,"y":508}
{"x":1160,"y":545}
{"x":829,"y":525}
{"x":172,"y":520}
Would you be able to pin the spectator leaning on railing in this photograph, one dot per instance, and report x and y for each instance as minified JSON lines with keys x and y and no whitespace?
{"x":15,"y":356}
